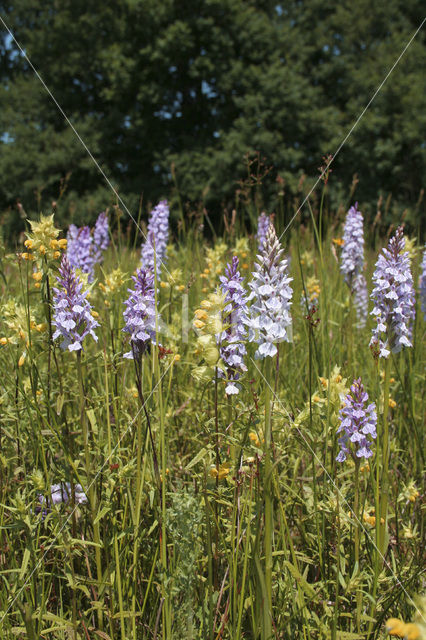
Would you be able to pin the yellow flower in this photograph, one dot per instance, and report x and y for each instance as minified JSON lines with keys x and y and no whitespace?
{"x":338,"y":378}
{"x":22,"y":360}
{"x":37,"y":275}
{"x":201,"y":314}
{"x":395,"y":627}
{"x":199,"y":324}
{"x":338,"y":241}
{"x":254,"y":438}
{"x":94,"y":313}
{"x":411,"y":631}
{"x":37,"y":285}
{"x":57,"y":254}
{"x":164,"y":285}
{"x":25,"y":256}
{"x":224,"y":469}
{"x":41,"y":327}
{"x":392,"y":403}
{"x":28,"y":243}
{"x":245,"y":265}
{"x":365,"y":467}
{"x":181,"y":287}
{"x":3,"y":341}
{"x":316,"y":399}
{"x":53,"y":243}
{"x":324,"y":382}
{"x":176,"y":357}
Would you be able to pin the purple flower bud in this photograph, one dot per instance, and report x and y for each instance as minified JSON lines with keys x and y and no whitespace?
{"x":360,"y":294}
{"x":393,"y":297}
{"x":353,"y":245}
{"x":263,"y":223}
{"x":422,"y":284}
{"x":358,"y":423}
{"x":62,"y":493}
{"x":233,"y":337}
{"x":157,"y":235}
{"x":80,"y":250}
{"x":73,"y":317}
{"x":269,"y":315}
{"x":139,"y":315}
{"x":100,"y":236}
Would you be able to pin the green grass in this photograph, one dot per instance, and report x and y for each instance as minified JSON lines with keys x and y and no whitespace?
{"x":165,"y":547}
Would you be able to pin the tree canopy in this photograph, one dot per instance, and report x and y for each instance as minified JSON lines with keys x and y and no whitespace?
{"x":168,"y":89}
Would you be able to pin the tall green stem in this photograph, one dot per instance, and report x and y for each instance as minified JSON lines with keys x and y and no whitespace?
{"x":357,"y":536}
{"x":267,"y":487}
{"x":384,"y":492}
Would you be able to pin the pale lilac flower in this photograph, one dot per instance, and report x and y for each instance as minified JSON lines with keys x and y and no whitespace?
{"x":360,"y":294}
{"x":358,"y":423}
{"x":232,"y":339}
{"x":100,"y":236}
{"x":62,"y":493}
{"x":80,"y":250}
{"x":72,"y":317}
{"x":353,"y":245}
{"x":422,"y":284}
{"x":157,"y":235}
{"x":139,"y":314}
{"x":269,"y":318}
{"x":393,"y":297}
{"x":263,"y":223}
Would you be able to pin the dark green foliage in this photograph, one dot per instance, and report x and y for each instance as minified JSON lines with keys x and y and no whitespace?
{"x":200,"y":84}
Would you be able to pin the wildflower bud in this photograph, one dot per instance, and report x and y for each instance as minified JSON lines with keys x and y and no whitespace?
{"x":156,"y":239}
{"x":21,"y":360}
{"x":95,"y":314}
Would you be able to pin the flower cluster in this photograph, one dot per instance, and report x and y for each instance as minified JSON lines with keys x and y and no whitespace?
{"x":42,"y":242}
{"x":215,"y":257}
{"x":73,"y":316}
{"x":232,"y":339}
{"x":263,"y":223}
{"x":269,"y":316}
{"x":422,"y":284}
{"x":393,"y":297}
{"x":62,"y":493}
{"x":157,"y":235}
{"x":309,"y":299}
{"x":100,"y":236}
{"x":358,"y":423}
{"x":85,"y":249}
{"x":139,"y":314}
{"x":353,"y":245}
{"x":360,"y":299}
{"x":209,"y":325}
{"x":80,"y":250}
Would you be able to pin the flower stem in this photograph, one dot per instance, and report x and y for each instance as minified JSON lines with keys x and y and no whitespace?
{"x":267,"y":487}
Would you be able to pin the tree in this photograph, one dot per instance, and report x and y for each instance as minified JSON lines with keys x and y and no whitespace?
{"x":197,"y":85}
